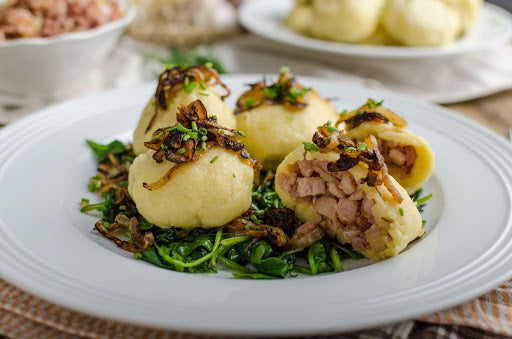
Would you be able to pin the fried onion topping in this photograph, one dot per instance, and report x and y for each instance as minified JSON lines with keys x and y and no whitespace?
{"x":286,"y":91}
{"x":194,"y":134}
{"x":351,"y":153}
{"x":173,"y":80}
{"x":371,"y":111}
{"x":141,"y":241}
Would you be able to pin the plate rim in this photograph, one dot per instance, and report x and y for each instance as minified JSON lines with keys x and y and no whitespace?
{"x":368,"y":51}
{"x":53,"y":111}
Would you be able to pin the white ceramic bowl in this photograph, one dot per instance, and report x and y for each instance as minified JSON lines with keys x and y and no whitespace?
{"x":39,"y":66}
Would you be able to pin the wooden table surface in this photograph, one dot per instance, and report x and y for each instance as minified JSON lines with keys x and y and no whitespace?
{"x":494,"y":111}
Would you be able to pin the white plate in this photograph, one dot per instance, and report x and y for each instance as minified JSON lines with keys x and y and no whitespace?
{"x":266,"y":18}
{"x":49,"y":249}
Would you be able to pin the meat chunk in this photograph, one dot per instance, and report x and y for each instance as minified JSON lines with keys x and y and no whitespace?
{"x":396,"y":156}
{"x":347,"y":211}
{"x":320,"y":164}
{"x":326,"y":206}
{"x":359,"y":243}
{"x":305,"y":168}
{"x":410,"y":156}
{"x":332,"y":227}
{"x":357,"y":195}
{"x":366,"y":206}
{"x":333,"y":189}
{"x":286,"y":182}
{"x":310,"y":186}
{"x":347,"y":183}
{"x":306,"y":235}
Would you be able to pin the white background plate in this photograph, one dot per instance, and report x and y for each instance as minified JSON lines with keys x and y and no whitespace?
{"x":266,"y":18}
{"x":50,"y":250}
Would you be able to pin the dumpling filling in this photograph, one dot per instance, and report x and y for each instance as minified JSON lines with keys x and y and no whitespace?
{"x":345,"y":208}
{"x":399,"y":158}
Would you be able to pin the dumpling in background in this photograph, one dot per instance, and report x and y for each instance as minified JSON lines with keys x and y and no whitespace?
{"x":379,"y":37}
{"x":329,"y":183}
{"x":178,"y":86}
{"x":193,"y":175}
{"x":468,"y":10}
{"x":421,"y":22}
{"x":301,"y":18}
{"x":276,"y":118}
{"x":345,"y":20}
{"x":408,"y":156}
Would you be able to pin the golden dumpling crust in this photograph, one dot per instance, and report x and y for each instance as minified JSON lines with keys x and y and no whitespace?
{"x":397,"y":224}
{"x":212,"y":101}
{"x":273,"y":131}
{"x":199,"y":194}
{"x":421,"y":22}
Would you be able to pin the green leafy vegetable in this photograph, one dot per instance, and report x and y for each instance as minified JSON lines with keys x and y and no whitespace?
{"x":101,"y":152}
{"x":202,"y":250}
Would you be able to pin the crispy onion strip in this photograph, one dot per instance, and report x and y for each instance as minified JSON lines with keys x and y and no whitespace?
{"x":243,"y":227}
{"x":371,"y":112}
{"x":141,"y":241}
{"x":173,"y":80}
{"x":282,"y":90}
{"x":193,"y":135}
{"x":167,"y":176}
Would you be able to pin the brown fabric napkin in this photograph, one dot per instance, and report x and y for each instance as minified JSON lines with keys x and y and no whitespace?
{"x":23,"y":315}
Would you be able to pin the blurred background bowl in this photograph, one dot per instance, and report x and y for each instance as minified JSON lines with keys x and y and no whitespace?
{"x":41,"y":66}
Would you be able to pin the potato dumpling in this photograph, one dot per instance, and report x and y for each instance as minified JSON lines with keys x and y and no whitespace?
{"x":468,"y":10}
{"x":421,"y":22}
{"x":199,"y":194}
{"x":368,"y":218}
{"x":409,"y":157}
{"x":274,"y":127}
{"x":300,"y":19}
{"x":379,"y":37}
{"x":346,"y":20}
{"x":181,"y":92}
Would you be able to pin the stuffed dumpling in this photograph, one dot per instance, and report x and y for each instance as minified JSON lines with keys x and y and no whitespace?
{"x":276,"y":118}
{"x":196,"y":173}
{"x":344,"y":187}
{"x":408,"y":156}
{"x":178,"y":86}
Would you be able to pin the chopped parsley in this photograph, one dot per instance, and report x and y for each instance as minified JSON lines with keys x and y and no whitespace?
{"x":310,"y":147}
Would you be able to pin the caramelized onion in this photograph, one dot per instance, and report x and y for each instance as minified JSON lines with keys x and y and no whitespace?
{"x":182,"y":142}
{"x":371,"y":112}
{"x":173,"y":80}
{"x":286,"y":91}
{"x":140,"y":241}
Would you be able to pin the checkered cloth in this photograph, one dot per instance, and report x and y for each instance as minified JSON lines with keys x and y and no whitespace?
{"x":23,"y":315}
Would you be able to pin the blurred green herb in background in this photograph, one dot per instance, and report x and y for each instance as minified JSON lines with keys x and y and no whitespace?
{"x":188,"y":58}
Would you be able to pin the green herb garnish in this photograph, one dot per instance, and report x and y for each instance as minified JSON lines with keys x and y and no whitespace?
{"x":310,"y":147}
